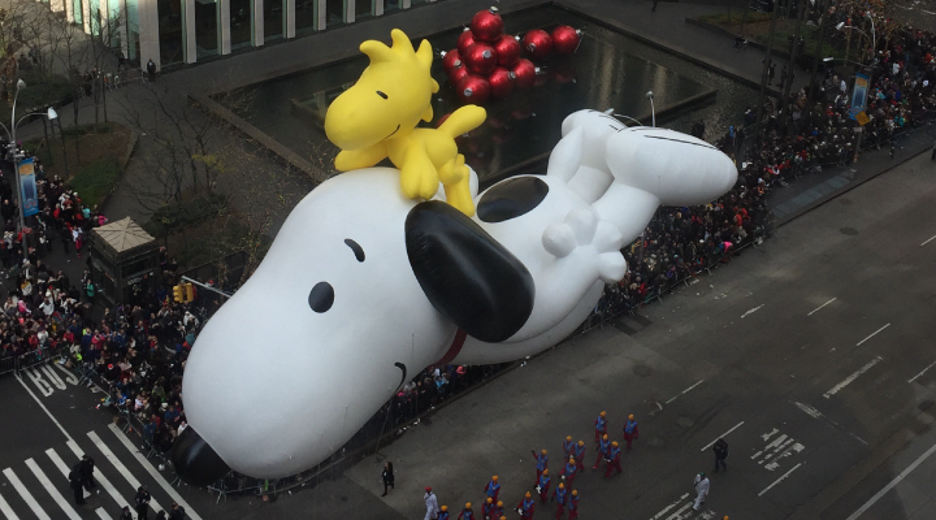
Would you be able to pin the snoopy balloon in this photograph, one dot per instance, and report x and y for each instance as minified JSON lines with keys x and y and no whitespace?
{"x":365,"y":286}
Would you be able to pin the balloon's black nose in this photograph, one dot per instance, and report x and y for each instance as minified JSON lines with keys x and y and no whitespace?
{"x":195,"y":461}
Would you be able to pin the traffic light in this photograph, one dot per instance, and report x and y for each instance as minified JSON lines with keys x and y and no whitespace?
{"x":189,"y":292}
{"x":177,"y":294}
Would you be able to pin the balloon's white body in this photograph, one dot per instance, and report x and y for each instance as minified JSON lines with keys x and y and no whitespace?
{"x":274,"y":388}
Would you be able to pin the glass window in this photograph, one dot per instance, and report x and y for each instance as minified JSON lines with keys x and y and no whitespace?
{"x":363,"y":9}
{"x":241,"y":23}
{"x":133,"y":32}
{"x":417,"y":2}
{"x":273,"y":19}
{"x":95,"y":15}
{"x":335,"y":12}
{"x":391,"y":5}
{"x":78,"y":12}
{"x":306,"y":14}
{"x":170,"y":31}
{"x":206,"y":27}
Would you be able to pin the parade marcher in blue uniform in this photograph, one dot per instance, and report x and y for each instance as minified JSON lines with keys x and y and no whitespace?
{"x":492,"y":489}
{"x":630,"y":431}
{"x":542,"y":462}
{"x":573,"y":505}
{"x":487,"y":510}
{"x":526,"y":507}
{"x":542,"y":485}
{"x":443,"y":513}
{"x":568,"y":446}
{"x":613,"y":458}
{"x":561,"y":496}
{"x":603,"y":446}
{"x":578,"y":451}
{"x":467,"y":513}
{"x":601,"y":426}
{"x":569,"y":471}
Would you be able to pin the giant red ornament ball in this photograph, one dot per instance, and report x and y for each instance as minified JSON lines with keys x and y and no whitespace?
{"x":508,"y":50}
{"x":566,"y":39}
{"x":457,"y":74}
{"x":451,"y":61}
{"x":502,"y":82}
{"x":487,"y":26}
{"x":538,"y":43}
{"x":525,"y":73}
{"x":480,"y":59}
{"x":465,"y":40}
{"x":473,"y":89}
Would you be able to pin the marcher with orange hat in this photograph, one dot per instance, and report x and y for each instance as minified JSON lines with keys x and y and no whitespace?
{"x":603,"y":447}
{"x":526,"y":507}
{"x":578,"y":451}
{"x":561,"y":496}
{"x":630,"y":431}
{"x":569,"y":471}
{"x":542,"y":462}
{"x":567,"y":446}
{"x":443,"y":513}
{"x":542,"y":485}
{"x":492,"y":489}
{"x":467,"y":513}
{"x":487,"y":510}
{"x":498,"y":510}
{"x":573,"y":505}
{"x":613,"y":458}
{"x":601,"y":426}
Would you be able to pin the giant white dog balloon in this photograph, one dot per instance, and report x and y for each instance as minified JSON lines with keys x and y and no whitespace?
{"x":363,"y":288}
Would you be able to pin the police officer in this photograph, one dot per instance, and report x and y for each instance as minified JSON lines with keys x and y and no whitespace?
{"x":74,"y":482}
{"x":141,"y":501}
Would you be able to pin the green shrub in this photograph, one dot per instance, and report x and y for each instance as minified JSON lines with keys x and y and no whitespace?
{"x":95,"y":181}
{"x":172,"y":217}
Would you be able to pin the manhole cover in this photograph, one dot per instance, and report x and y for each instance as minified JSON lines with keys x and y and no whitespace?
{"x":642,"y":370}
{"x":656,"y":442}
{"x":685,"y":422}
{"x":845,"y":202}
{"x":849,"y":231}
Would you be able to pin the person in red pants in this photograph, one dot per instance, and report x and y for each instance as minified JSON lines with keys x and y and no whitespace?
{"x":526,"y":507}
{"x":542,"y":485}
{"x":578,"y":451}
{"x":467,"y":513}
{"x":498,"y":510}
{"x":573,"y":505}
{"x":561,"y":496}
{"x":613,"y":458}
{"x":492,"y":489}
{"x":603,"y":446}
{"x":487,"y":510}
{"x":542,"y":462}
{"x":569,"y":471}
{"x":630,"y":431}
{"x":601,"y":426}
{"x":567,"y":446}
{"x":443,"y":513}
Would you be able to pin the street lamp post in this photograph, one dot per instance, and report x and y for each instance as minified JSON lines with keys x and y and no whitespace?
{"x":652,"y":109}
{"x":870,"y":67}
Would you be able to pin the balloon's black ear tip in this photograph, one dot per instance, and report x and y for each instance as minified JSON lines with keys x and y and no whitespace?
{"x":468,"y":276}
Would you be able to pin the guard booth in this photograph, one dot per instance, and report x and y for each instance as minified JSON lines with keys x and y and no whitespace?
{"x":125,"y":265}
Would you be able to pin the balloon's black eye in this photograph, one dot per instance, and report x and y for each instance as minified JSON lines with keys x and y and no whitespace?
{"x":321,"y":297}
{"x":381,"y":94}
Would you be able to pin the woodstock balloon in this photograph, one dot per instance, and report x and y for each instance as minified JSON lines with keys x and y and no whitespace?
{"x":364,"y":287}
{"x":377,"y":117}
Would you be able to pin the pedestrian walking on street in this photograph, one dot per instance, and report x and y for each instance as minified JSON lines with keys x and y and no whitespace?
{"x":578,"y":451}
{"x":443,"y":513}
{"x":176,"y":512}
{"x":569,"y":471}
{"x":721,"y":453}
{"x":125,"y":513}
{"x":467,"y":513}
{"x":142,"y":501}
{"x":630,"y":431}
{"x":492,"y":489}
{"x":542,"y":462}
{"x":567,"y":446}
{"x":151,"y":70}
{"x":487,"y":510}
{"x":542,"y":485}
{"x":573,"y":505}
{"x":526,"y":507}
{"x":432,"y":505}
{"x":702,"y":486}
{"x":601,"y":427}
{"x":387,"y":477}
{"x":74,"y":482}
{"x":87,"y":472}
{"x":603,"y":447}
{"x":560,"y":496}
{"x":613,"y":459}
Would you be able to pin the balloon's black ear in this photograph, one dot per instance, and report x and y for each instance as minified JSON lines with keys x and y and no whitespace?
{"x":467,"y":275}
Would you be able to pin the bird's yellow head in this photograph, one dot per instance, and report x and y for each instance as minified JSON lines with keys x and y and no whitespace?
{"x":389,"y":99}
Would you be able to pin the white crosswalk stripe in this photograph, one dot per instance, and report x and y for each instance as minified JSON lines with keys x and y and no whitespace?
{"x":109,"y":455}
{"x":53,"y":492}
{"x":7,"y":510}
{"x":102,"y":514}
{"x":105,"y":483}
{"x":27,"y":496}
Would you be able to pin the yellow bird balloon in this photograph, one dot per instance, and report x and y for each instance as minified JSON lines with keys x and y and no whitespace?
{"x":378,"y":118}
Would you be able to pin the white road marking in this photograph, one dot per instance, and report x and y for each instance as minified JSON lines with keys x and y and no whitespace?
{"x":102,"y":514}
{"x":779,"y":480}
{"x":872,"y":335}
{"x":914,"y":378}
{"x":752,"y":311}
{"x":671,"y":506}
{"x":153,"y":473}
{"x":27,"y":496}
{"x":722,"y":436}
{"x":930,"y":239}
{"x":99,"y":475}
{"x":679,"y":512}
{"x":51,"y":490}
{"x":8,"y":511}
{"x":44,"y":409}
{"x":817,"y":309}
{"x":684,"y":391}
{"x":808,"y":410}
{"x":903,"y":474}
{"x":56,"y":380}
{"x":848,"y":380}
{"x":40,"y":383}
{"x":134,"y":483}
{"x":69,"y":376}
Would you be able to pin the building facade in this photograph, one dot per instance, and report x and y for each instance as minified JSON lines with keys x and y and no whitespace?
{"x":184,"y":31}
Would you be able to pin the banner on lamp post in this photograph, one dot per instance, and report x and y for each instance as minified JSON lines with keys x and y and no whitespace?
{"x":859,"y":96}
{"x":28,"y":192}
